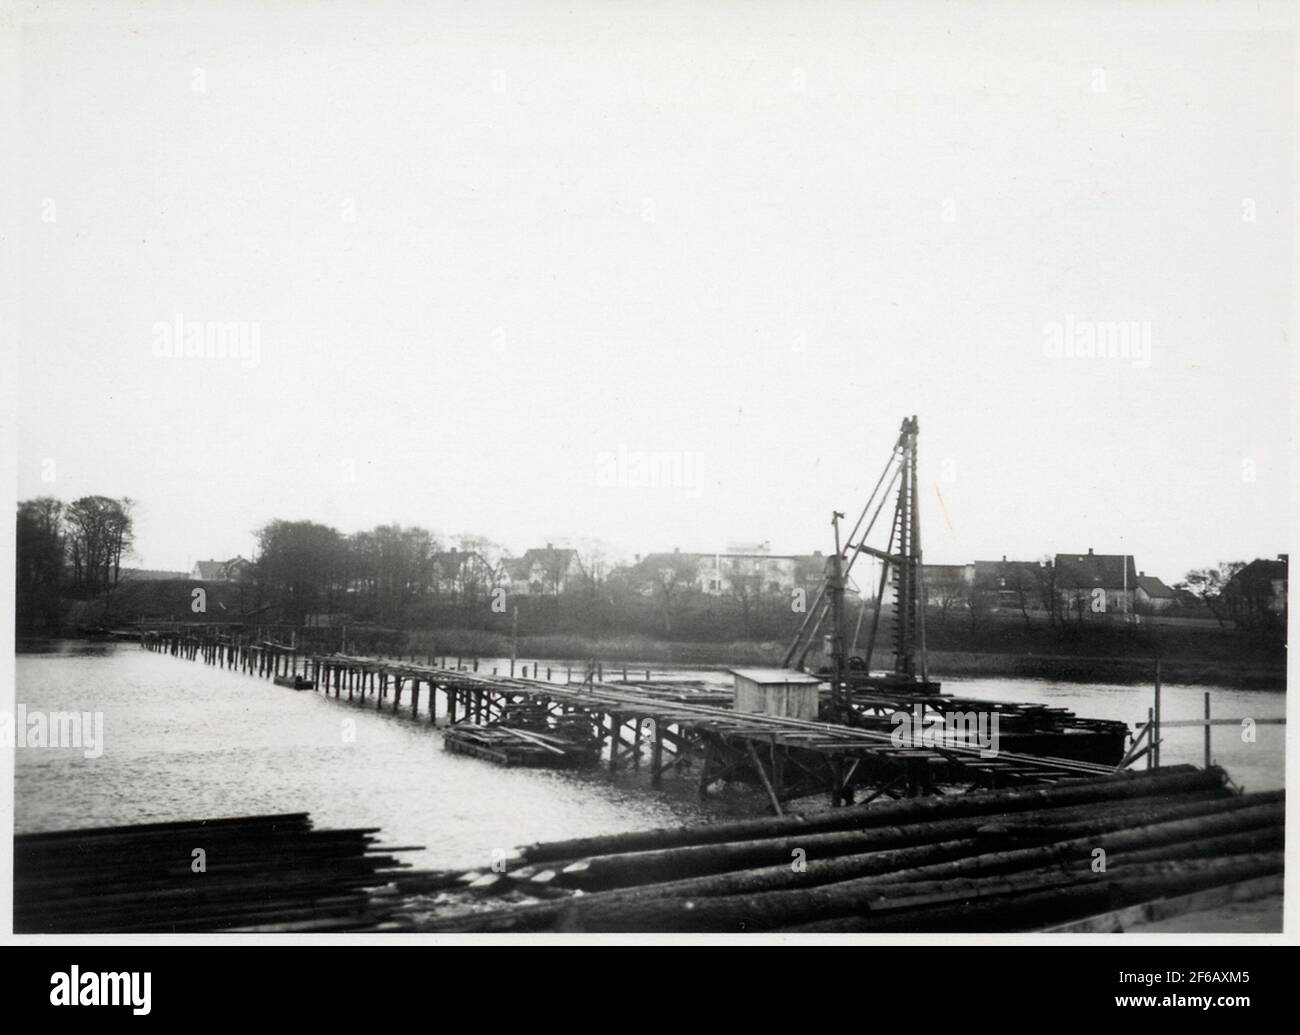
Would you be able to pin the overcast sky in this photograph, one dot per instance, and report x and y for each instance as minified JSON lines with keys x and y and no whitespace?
{"x":495,"y":255}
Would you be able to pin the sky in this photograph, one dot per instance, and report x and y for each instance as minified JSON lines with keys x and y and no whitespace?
{"x":495,"y":265}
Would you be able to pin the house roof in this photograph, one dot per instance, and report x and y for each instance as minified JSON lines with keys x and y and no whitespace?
{"x":1095,"y":571}
{"x":944,"y":569}
{"x":217,"y":569}
{"x":451,"y":560}
{"x":1154,"y":587}
{"x":1261,"y":569}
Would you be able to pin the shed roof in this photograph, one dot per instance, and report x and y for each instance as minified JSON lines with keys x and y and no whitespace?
{"x":774,"y":675}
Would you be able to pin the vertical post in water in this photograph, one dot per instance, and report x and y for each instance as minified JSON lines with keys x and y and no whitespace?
{"x":1151,"y":737}
{"x":1207,"y":729}
{"x":514,"y":640}
{"x":1155,"y":729}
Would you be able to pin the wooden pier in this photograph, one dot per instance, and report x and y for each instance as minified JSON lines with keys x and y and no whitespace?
{"x":663,"y":728}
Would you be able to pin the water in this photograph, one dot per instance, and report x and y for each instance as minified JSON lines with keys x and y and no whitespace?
{"x":185,"y":740}
{"x":1258,"y":766}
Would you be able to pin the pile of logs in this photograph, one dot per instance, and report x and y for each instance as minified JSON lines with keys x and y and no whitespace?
{"x":246,"y":873}
{"x":1012,"y":860}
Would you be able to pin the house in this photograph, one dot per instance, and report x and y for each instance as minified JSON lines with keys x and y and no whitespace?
{"x":1259,"y":591}
{"x":237,"y":569}
{"x":1012,"y":584}
{"x":736,"y":572}
{"x":947,"y":584}
{"x":1152,"y":594}
{"x":455,"y":573}
{"x":758,"y":571}
{"x":541,"y":572}
{"x":1094,"y":583}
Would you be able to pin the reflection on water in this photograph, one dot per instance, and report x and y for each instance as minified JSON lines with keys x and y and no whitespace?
{"x":184,"y":740}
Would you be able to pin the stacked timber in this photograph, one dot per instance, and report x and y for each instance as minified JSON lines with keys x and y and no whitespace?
{"x":244,"y":873}
{"x":511,"y":745}
{"x":1012,"y":860}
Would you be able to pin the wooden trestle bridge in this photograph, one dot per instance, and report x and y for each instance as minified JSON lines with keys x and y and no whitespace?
{"x":666,"y":727}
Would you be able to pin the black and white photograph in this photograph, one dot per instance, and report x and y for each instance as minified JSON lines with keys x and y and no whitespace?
{"x":776,"y":472}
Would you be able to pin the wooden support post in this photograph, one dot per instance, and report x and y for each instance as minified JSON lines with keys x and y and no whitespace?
{"x":1155,"y":730}
{"x":614,"y":724}
{"x":636,"y":742}
{"x":657,"y":755}
{"x":762,"y":775}
{"x":1207,"y":729}
{"x":703,"y":789}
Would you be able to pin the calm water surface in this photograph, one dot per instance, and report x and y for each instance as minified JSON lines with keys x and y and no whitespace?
{"x":185,"y":740}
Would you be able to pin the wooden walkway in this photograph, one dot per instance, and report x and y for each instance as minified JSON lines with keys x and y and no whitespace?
{"x":663,"y":726}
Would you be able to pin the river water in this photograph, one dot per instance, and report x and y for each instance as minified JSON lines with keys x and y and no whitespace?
{"x":185,"y":740}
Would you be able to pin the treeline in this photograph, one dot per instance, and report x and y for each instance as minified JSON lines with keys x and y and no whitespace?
{"x":67,"y":550}
{"x":311,"y":571}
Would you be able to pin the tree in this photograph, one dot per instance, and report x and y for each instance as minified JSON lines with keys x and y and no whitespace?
{"x":670,"y":577}
{"x":745,"y":587}
{"x":1209,"y":585}
{"x":1049,"y":592}
{"x":100,"y":531}
{"x":39,"y":564}
{"x":1023,"y":582}
{"x":301,"y":566}
{"x":947,"y":590}
{"x":980,"y":595}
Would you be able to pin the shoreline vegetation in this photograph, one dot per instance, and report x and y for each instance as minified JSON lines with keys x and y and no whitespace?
{"x":638,"y":652}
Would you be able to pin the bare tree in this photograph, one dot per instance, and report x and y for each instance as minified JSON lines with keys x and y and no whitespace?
{"x":1209,"y":585}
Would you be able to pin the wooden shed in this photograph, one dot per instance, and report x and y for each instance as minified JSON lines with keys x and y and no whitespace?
{"x":776,"y":691}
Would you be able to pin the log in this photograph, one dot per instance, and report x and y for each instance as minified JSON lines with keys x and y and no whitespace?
{"x":942,"y":860}
{"x":1001,"y":903}
{"x":1040,"y":909}
{"x":602,"y":872}
{"x":1171,"y":780}
{"x":1233,"y":821}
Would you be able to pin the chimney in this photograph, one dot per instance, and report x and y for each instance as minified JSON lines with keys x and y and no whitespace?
{"x":677,"y":549}
{"x":551,"y":546}
{"x":1090,"y":551}
{"x":1142,"y":574}
{"x":636,"y":558}
{"x":1004,"y":558}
